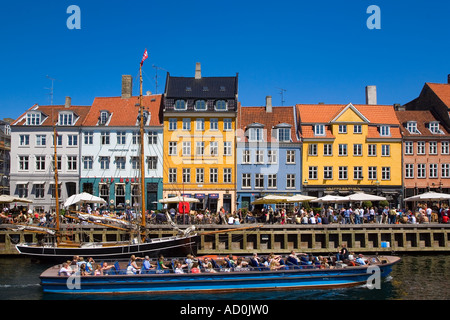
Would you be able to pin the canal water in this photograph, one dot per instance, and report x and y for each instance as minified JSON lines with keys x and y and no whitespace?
{"x":416,"y":277}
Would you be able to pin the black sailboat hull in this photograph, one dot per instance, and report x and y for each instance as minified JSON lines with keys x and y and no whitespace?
{"x":169,"y":246}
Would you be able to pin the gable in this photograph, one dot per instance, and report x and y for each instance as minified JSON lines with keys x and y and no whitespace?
{"x":350,"y":115}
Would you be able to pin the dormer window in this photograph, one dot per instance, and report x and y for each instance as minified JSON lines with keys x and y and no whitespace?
{"x":33,"y":119}
{"x":104,"y":116}
{"x":283,"y":131}
{"x":66,"y":118}
{"x":180,"y":105}
{"x":434,"y":128}
{"x":411,"y":126}
{"x":255,"y":132}
{"x":221,"y":105}
{"x":319,"y":130}
{"x":385,"y":131}
{"x":200,"y":105}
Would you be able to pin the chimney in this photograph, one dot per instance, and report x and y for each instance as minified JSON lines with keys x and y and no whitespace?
{"x":68,"y":102}
{"x":127,"y":86}
{"x":268,"y":103}
{"x":371,"y":95}
{"x":198,"y":71}
{"x":448,"y":79}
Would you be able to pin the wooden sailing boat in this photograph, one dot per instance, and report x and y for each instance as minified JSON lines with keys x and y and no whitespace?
{"x":181,"y":244}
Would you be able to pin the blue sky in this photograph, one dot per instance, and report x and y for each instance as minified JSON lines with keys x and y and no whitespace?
{"x":318,"y":51}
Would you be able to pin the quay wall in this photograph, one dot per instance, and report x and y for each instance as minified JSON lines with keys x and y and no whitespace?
{"x":366,"y":238}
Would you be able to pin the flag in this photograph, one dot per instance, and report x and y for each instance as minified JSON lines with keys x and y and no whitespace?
{"x":144,"y":57}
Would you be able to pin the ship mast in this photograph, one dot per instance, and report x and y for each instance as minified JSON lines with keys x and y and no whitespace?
{"x":142,"y":167}
{"x":55,"y":165}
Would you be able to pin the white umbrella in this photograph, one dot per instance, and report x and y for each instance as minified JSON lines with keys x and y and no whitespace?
{"x":4,"y":198}
{"x":429,"y":196}
{"x":178,"y":199}
{"x":360,"y":196}
{"x":300,"y":198}
{"x":83,"y":197}
{"x":331,"y":198}
{"x":270,"y":199}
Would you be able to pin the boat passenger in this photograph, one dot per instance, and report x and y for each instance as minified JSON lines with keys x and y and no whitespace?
{"x":160,"y":264}
{"x":240,"y":264}
{"x":275,"y":265}
{"x":178,"y":267}
{"x":207,"y":264}
{"x":343,"y":253}
{"x":195,"y":268}
{"x":98,"y":270}
{"x":106,"y":267}
{"x":65,"y":270}
{"x":361,"y":261}
{"x":146,"y":265}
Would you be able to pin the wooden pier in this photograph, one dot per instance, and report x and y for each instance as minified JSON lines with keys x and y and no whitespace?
{"x":366,"y":238}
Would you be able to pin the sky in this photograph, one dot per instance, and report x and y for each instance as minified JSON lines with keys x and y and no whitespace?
{"x":312,"y":51}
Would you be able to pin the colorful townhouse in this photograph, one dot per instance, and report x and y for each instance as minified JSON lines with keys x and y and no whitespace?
{"x":351,"y":148}
{"x":426,"y":153}
{"x":199,"y":139}
{"x":268,"y":152}
{"x":110,"y":143}
{"x":32,"y":153}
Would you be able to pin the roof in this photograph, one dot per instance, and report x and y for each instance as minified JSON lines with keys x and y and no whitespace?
{"x":280,"y":116}
{"x":124,"y":111}
{"x":205,"y":87}
{"x":51,"y":113}
{"x":422,"y":118}
{"x":442,"y":91}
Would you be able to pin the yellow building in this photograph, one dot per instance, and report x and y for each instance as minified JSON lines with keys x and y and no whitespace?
{"x":351,"y":148}
{"x":199,"y":140}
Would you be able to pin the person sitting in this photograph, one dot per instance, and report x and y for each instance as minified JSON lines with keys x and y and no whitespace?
{"x":132,"y":267}
{"x":178,"y":267}
{"x":195,"y":268}
{"x":275,"y":264}
{"x":65,"y":270}
{"x":207,"y":264}
{"x":146,"y":265}
{"x":160,"y":265}
{"x":361,"y":261}
{"x":343,"y":253}
{"x":106,"y":267}
{"x":240,"y":264}
{"x":98,"y":270}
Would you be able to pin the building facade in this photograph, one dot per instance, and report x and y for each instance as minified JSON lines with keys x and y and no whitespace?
{"x":199,"y":139}
{"x":110,"y":160}
{"x":268,"y":154}
{"x":351,"y":148}
{"x":32,"y":153}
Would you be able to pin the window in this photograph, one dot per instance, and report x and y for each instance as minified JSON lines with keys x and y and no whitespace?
{"x":104,"y":138}
{"x":89,"y":138}
{"x":259,"y":156}
{"x":357,"y":128}
{"x":40,"y":163}
{"x":120,"y":163}
{"x":385,"y":150}
{"x":214,"y":124}
{"x":180,"y":105}
{"x":421,"y":147}
{"x":409,"y":147}
{"x":152,"y":162}
{"x":343,"y":175}
{"x":372,"y":150}
{"x":65,"y":119}
{"x":272,"y":181}
{"x":445,"y":170}
{"x":342,"y":149}
{"x":41,"y":140}
{"x":200,"y":148}
{"x":104,"y":115}
{"x":445,"y":147}
{"x":213,"y":175}
{"x":246,"y":156}
{"x":357,"y":150}
{"x":342,"y":128}
{"x":200,"y":124}
{"x":421,"y":170}
{"x":22,"y":190}
{"x":53,"y":190}
{"x":120,"y":194}
{"x":136,"y":138}
{"x":433,"y":170}
{"x":372,"y":173}
{"x":227,"y":148}
{"x":186,"y":124}
{"x":284,"y":134}
{"x":221,"y":105}
{"x":409,"y":170}
{"x":172,"y":124}
{"x":104,"y":163}
{"x":135,"y":163}
{"x":186,"y":148}
{"x":432,"y":147}
{"x":411,"y":126}
{"x":24,"y":140}
{"x":227,"y":124}
{"x":58,"y":139}
{"x":200,"y":175}
{"x":319,"y":130}
{"x":385,"y":131}
{"x":72,"y":163}
{"x":272,"y":156}
{"x":357,"y":173}
{"x":255,"y":134}
{"x":39,"y":190}
{"x":312,"y":173}
{"x":214,"y":148}
{"x":33,"y":119}
{"x":152,"y":137}
{"x":186,"y":175}
{"x":312,"y":149}
{"x":172,"y":175}
{"x":200,"y":105}
{"x":227,"y":175}
{"x":290,"y":156}
{"x":327,"y":149}
{"x":290,"y":181}
{"x":72,"y":140}
{"x":434,"y":127}
{"x":121,"y":137}
{"x":88,"y":162}
{"x":328,"y":172}
{"x":104,"y":192}
{"x":172,"y":148}
{"x":246,"y":180}
{"x":58,"y":162}
{"x":259,"y":181}
{"x":23,"y":163}
{"x":385,"y":173}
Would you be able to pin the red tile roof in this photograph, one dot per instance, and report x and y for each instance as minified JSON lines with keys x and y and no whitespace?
{"x":124,"y":112}
{"x":52,"y":114}
{"x":442,"y":91}
{"x":422,"y":119}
